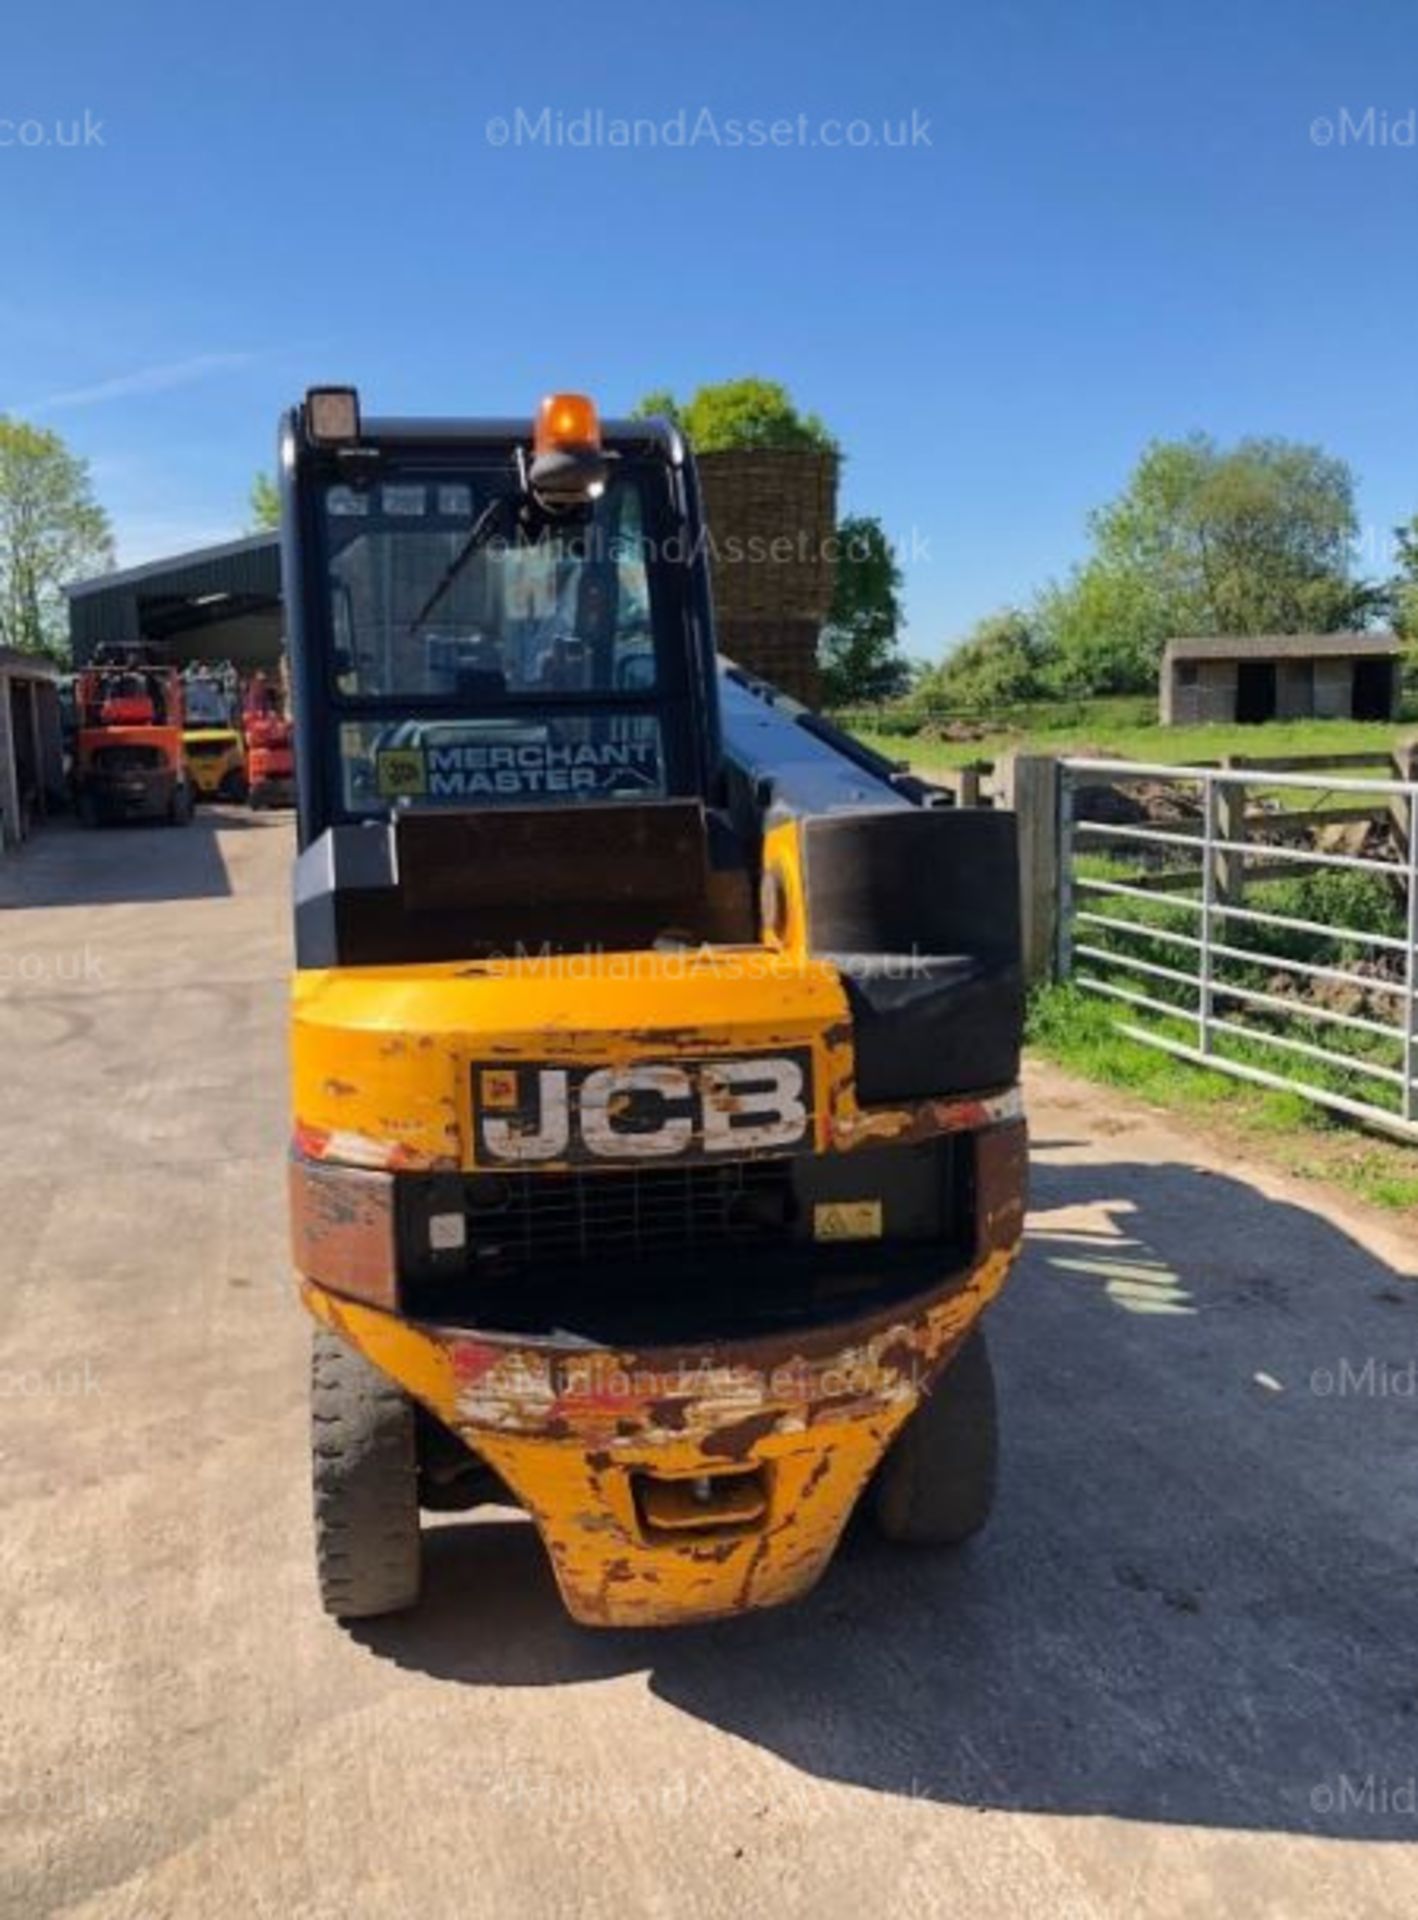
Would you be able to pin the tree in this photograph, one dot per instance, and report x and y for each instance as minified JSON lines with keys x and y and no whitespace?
{"x":658,"y":402}
{"x":998,"y":664}
{"x":264,"y":502}
{"x":52,"y":530}
{"x":1104,"y":631}
{"x":860,"y":657}
{"x":1403,"y":588}
{"x":740,"y":413}
{"x":1256,"y":538}
{"x":1403,"y":597}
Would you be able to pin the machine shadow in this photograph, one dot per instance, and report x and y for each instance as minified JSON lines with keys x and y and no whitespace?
{"x":66,"y":865}
{"x":1195,"y":1603}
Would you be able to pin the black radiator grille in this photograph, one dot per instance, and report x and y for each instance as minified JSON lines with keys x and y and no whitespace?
{"x":127,"y":758}
{"x":548,"y":1219}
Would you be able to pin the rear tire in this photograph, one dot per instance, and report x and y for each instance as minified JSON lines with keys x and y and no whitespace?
{"x":179,"y":811}
{"x":936,"y":1486}
{"x":364,"y":1461}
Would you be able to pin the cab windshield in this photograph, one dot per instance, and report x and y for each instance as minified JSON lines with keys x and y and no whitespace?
{"x":206,"y":704}
{"x":528,"y":674}
{"x":564,"y":612}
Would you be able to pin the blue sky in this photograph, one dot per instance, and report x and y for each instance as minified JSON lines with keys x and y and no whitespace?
{"x":1112,"y":222}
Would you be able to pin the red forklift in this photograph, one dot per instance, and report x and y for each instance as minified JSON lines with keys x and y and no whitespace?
{"x":128,"y":759}
{"x":270,"y":751}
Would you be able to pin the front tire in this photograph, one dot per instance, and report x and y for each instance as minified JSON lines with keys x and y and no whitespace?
{"x":364,"y":1461}
{"x":936,"y":1486}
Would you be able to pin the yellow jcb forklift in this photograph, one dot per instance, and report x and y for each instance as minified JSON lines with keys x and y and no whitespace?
{"x":211,"y":744}
{"x":657,"y":1141}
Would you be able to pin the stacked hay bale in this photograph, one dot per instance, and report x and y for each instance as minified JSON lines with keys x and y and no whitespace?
{"x":771,"y":514}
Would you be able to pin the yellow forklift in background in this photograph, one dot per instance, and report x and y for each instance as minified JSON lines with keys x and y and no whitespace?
{"x":657,"y":1143}
{"x":211,"y":741}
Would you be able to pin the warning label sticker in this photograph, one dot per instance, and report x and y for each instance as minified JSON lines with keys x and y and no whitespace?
{"x":400,"y":771}
{"x":847,"y":1220}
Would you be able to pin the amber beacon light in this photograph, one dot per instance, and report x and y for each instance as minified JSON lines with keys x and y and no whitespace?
{"x":568,"y":471}
{"x":566,"y":423}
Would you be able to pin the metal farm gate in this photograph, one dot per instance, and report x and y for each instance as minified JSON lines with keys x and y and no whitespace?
{"x":1252,"y":919}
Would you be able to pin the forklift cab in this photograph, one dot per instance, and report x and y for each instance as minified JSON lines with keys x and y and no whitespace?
{"x":481,"y":625}
{"x":501,"y":650}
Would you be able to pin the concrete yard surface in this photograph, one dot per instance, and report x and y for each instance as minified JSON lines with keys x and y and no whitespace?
{"x":1178,"y":1676}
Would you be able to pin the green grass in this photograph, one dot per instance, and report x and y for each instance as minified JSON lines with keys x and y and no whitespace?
{"x":1077,"y":1031}
{"x":1350,"y":903}
{"x":1342,"y":900}
{"x":1114,"y":729}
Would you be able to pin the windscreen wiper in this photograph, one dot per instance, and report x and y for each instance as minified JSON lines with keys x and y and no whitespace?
{"x":479,"y":534}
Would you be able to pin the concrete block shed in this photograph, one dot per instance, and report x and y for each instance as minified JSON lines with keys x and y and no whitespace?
{"x":1280,"y":676}
{"x":31,"y":743}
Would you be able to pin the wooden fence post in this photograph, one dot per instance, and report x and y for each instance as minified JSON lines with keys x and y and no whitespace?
{"x":1028,"y":785}
{"x":1405,"y":767}
{"x":1230,"y":869}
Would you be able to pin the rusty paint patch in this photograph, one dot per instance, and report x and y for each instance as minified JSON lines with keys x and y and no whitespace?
{"x":735,"y":1441}
{"x":817,"y":1476}
{"x":1001,"y":1186}
{"x":342,"y":1229}
{"x":722,"y":1400}
{"x":905,"y":1126}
